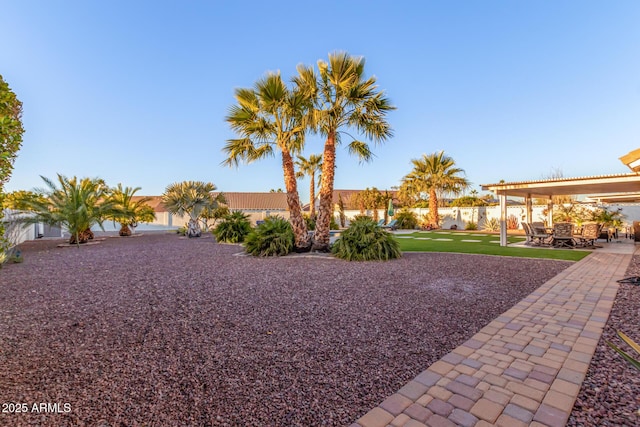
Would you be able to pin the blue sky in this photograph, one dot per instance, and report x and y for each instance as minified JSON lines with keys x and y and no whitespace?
{"x":136,"y":92}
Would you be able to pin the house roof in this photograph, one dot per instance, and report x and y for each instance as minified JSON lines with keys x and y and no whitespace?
{"x":256,"y":201}
{"x":155,"y":202}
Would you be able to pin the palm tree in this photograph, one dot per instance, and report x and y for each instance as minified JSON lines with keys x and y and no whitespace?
{"x":435,"y":173}
{"x":127,"y":212}
{"x":309,"y":167}
{"x":342,"y":99}
{"x":191,"y":198}
{"x":76,"y":205}
{"x":269,"y":117}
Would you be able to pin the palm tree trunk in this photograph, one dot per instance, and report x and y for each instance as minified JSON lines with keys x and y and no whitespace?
{"x":433,"y":208}
{"x":312,"y":196}
{"x":326,"y":193}
{"x":302,"y":241}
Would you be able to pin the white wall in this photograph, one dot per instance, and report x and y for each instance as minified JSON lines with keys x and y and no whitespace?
{"x":461,"y":216}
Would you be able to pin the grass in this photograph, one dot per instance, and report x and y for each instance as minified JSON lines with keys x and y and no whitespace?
{"x":479,"y":242}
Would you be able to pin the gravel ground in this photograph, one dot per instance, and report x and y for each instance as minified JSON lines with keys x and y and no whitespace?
{"x":162,"y":330}
{"x":610,"y":394}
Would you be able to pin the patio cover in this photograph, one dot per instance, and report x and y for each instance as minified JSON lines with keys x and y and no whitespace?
{"x":597,"y":187}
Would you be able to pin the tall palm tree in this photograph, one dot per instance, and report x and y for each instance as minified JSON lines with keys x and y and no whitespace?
{"x":191,"y":198}
{"x":269,"y":117}
{"x":309,"y":167}
{"x":127,"y":212}
{"x":77,"y":205}
{"x":343,"y":99}
{"x":433,"y":174}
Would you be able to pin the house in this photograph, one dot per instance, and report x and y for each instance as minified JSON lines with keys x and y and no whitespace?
{"x":257,"y":205}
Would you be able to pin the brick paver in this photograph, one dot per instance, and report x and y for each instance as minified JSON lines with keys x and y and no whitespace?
{"x":526,"y":367}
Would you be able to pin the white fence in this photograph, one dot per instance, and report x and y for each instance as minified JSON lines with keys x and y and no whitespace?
{"x":460,"y":217}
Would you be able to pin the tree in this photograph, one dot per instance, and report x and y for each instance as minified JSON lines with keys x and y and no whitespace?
{"x":342,"y":99}
{"x":127,"y":212}
{"x":269,"y":117}
{"x":77,"y":204}
{"x":309,"y":167}
{"x":370,"y":199}
{"x":191,"y":198}
{"x":435,"y":173}
{"x":11,"y":131}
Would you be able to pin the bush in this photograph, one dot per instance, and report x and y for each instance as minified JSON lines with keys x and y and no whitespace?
{"x":333,"y":225}
{"x":364,"y":240}
{"x":311,"y":223}
{"x":274,"y":237}
{"x":406,"y":220}
{"x":492,"y":224}
{"x":471,"y":226}
{"x":233,"y":228}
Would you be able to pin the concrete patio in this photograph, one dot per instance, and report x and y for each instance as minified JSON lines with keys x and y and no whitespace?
{"x":526,"y":367}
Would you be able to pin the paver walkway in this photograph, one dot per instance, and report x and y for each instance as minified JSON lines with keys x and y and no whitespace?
{"x":526,"y":367}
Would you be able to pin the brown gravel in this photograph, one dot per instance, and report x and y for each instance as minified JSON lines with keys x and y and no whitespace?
{"x":163,"y":330}
{"x":610,"y":394}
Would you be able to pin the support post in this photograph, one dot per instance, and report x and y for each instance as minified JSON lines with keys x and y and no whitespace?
{"x":503,"y":219}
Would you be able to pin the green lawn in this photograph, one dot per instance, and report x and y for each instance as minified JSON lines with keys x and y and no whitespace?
{"x":478,"y":242}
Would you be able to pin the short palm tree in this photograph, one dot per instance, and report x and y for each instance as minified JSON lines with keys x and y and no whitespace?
{"x":191,"y":198}
{"x":343,"y":99}
{"x":435,"y":173}
{"x":268,"y":117}
{"x":127,"y":212}
{"x":77,"y":204}
{"x":309,"y":167}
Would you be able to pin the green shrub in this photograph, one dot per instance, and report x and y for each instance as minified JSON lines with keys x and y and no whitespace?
{"x":182,"y":230}
{"x":492,"y":224}
{"x":364,"y":240}
{"x":471,"y":226}
{"x":333,"y":225}
{"x":407,"y":220}
{"x":233,"y":228}
{"x":274,"y":237}
{"x":311,"y":223}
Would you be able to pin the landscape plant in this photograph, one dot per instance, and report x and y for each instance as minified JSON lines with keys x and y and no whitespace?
{"x":233,"y":228}
{"x":365,"y":240}
{"x":309,"y":167}
{"x":127,"y":211}
{"x":406,"y":219}
{"x":491,"y":224}
{"x":629,"y":358}
{"x":471,"y":226}
{"x":344,"y":101}
{"x":11,"y":131}
{"x":191,"y":198}
{"x":433,"y":174}
{"x":77,"y":204}
{"x":273,"y":237}
{"x":270,"y":117}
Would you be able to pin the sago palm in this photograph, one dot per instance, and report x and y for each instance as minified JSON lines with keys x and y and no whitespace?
{"x":127,"y":212}
{"x":433,"y":174}
{"x":343,"y":100}
{"x":309,"y":167}
{"x":191,"y":198}
{"x":77,"y":204}
{"x":268,"y":118}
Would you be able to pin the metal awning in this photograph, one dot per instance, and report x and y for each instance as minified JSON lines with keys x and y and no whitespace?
{"x":592,"y":185}
{"x":605,"y":187}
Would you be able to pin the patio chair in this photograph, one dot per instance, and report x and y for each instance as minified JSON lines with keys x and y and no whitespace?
{"x":392,"y":225}
{"x":535,"y":237}
{"x":563,"y":235}
{"x":381,"y":222}
{"x":590,"y":233}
